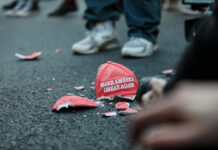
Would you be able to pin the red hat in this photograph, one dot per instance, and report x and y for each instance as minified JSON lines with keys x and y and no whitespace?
{"x":114,"y":79}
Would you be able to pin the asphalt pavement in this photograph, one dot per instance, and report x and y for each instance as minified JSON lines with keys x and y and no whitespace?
{"x":26,"y":119}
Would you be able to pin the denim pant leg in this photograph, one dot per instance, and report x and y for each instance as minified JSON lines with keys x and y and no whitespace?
{"x":143,"y":18}
{"x":100,"y":10}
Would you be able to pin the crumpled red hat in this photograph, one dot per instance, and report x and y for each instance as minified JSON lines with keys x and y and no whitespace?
{"x":114,"y":79}
{"x":73,"y":101}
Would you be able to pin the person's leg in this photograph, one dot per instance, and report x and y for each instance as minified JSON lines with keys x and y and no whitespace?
{"x":101,"y":16}
{"x":143,"y":18}
{"x":100,"y":11}
{"x":19,"y":5}
{"x":31,"y":7}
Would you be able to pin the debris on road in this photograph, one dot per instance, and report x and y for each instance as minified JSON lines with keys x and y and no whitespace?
{"x":79,"y":88}
{"x":59,"y":50}
{"x":82,"y":95}
{"x":34,"y":55}
{"x":92,"y":87}
{"x":99,"y":102}
{"x":70,"y":94}
{"x":109,"y":114}
{"x":114,"y":79}
{"x":167,"y":71}
{"x":122,"y":105}
{"x":128,"y":111}
{"x":49,"y":89}
{"x":111,"y":103}
{"x":73,"y":101}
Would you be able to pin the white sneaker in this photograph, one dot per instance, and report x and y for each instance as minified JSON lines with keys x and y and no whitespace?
{"x":102,"y":36}
{"x":138,"y":47}
{"x":19,"y":6}
{"x":30,"y":8}
{"x":23,"y":13}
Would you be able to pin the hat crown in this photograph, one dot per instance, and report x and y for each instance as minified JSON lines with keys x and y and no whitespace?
{"x":115,"y":79}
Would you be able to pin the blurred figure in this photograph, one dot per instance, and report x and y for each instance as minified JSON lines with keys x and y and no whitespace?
{"x":185,"y":119}
{"x":183,"y":114}
{"x":142,"y":17}
{"x":65,"y":7}
{"x":22,"y":8}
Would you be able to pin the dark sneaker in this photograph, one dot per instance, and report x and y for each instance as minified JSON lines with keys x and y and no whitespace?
{"x":31,"y":8}
{"x":144,"y":83}
{"x":64,"y":8}
{"x":10,"y":5}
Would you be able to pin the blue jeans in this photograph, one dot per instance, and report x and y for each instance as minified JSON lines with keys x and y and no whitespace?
{"x":142,"y":16}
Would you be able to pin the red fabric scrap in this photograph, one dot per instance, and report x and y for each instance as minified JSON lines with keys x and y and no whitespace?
{"x":59,"y":50}
{"x":167,"y":71}
{"x":28,"y":57}
{"x":122,"y":105}
{"x":73,"y":101}
{"x":128,"y":111}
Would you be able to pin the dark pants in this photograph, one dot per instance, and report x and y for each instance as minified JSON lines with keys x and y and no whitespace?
{"x":142,"y":16}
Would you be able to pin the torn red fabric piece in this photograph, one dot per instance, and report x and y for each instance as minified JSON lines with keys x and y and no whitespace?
{"x":167,"y":71}
{"x":73,"y":101}
{"x":49,"y":89}
{"x":128,"y":111}
{"x":114,"y":79}
{"x":59,"y":50}
{"x":34,"y":55}
{"x":79,"y":87}
{"x":109,"y":114}
{"x":122,"y":105}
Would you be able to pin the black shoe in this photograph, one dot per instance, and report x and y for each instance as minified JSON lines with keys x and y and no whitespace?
{"x":64,"y":8}
{"x":10,"y":5}
{"x":144,"y":84}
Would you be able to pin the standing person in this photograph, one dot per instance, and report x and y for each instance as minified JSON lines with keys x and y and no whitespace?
{"x":65,"y":7}
{"x":142,"y":17}
{"x":23,"y":8}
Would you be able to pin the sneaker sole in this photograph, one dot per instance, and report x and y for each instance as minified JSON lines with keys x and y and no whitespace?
{"x":155,"y":49}
{"x":10,"y":14}
{"x":107,"y":46}
{"x":27,"y":14}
